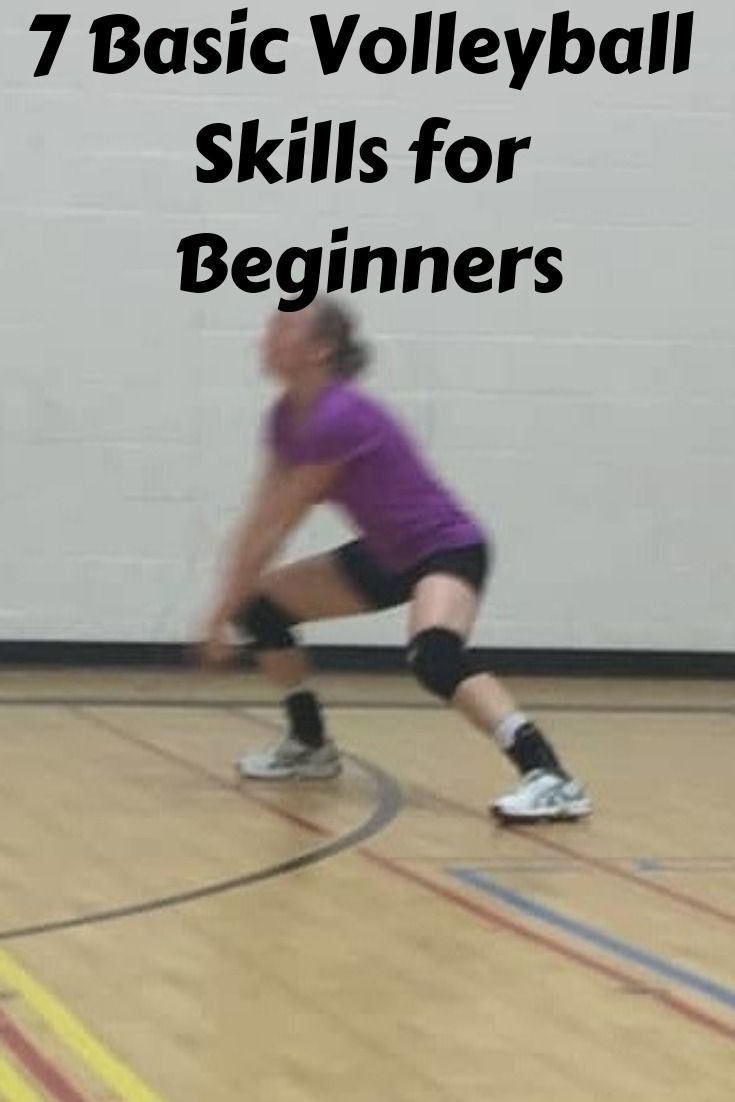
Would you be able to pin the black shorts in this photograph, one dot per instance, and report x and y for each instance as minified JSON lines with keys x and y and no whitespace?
{"x":383,"y":589}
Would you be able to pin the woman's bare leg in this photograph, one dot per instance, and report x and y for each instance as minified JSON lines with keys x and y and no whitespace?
{"x":309,"y":590}
{"x":444,"y":601}
{"x":306,"y":591}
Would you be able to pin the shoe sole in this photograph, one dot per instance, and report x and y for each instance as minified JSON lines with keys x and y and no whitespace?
{"x":572,"y":814}
{"x":324,"y":774}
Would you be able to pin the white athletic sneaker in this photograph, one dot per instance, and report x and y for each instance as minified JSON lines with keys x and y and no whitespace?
{"x":543,"y":796}
{"x":290,"y":759}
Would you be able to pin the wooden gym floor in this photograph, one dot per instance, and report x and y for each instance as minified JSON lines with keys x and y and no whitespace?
{"x":168,"y":934}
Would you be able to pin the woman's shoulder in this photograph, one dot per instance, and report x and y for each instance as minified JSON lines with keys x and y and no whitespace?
{"x":347,"y":400}
{"x":346,"y":422}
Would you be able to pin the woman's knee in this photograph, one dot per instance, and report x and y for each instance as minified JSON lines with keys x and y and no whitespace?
{"x":268,"y":623}
{"x":439,"y":661}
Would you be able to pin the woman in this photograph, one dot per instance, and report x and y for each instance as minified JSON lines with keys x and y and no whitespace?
{"x":328,"y":441}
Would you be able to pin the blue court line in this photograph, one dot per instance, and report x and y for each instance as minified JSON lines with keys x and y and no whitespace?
{"x":658,"y":865}
{"x":631,"y":953}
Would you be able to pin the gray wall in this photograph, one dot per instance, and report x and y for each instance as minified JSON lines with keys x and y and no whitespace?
{"x":593,"y":428}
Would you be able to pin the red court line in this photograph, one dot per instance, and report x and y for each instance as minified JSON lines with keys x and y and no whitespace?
{"x":495,"y":918}
{"x":292,"y":817}
{"x":481,"y":910}
{"x":692,"y":901}
{"x":684,"y":898}
{"x":252,"y":797}
{"x":53,"y":1081}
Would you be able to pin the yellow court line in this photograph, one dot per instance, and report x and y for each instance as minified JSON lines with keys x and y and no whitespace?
{"x":106,"y":1067}
{"x":13,"y":1087}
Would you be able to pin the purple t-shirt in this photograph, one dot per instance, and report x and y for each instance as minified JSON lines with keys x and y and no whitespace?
{"x":402,"y":510}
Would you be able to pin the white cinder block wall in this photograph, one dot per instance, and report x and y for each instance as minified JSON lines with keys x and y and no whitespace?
{"x":594,"y":428}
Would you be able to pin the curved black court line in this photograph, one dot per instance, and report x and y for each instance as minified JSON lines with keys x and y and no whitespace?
{"x":389,"y":801}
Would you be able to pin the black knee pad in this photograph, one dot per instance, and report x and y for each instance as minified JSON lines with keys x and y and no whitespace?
{"x":438,"y":660}
{"x":268,"y":624}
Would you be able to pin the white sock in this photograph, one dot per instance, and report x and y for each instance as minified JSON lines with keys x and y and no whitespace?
{"x":508,"y":728}
{"x":305,"y":687}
